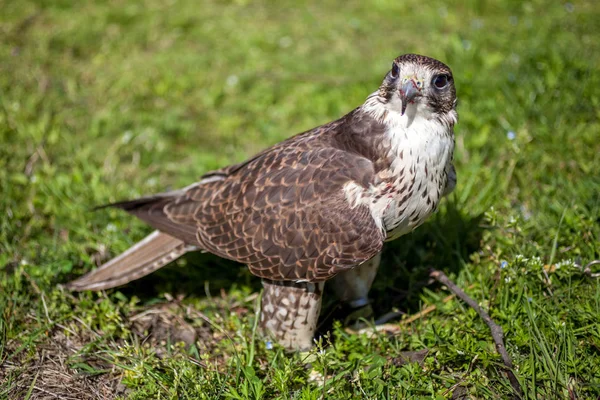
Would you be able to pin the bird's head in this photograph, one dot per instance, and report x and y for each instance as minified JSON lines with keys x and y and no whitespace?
{"x":416,"y":85}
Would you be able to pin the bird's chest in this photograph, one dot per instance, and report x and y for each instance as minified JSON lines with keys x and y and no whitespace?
{"x":412,"y":185}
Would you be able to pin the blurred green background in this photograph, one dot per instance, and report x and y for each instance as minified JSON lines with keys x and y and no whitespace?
{"x":108,"y":100}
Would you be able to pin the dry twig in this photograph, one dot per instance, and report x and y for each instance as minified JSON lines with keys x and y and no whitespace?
{"x":587,"y":270}
{"x":425,"y":311}
{"x":497,"y":333}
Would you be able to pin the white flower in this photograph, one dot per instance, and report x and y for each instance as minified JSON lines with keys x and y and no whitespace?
{"x":232,"y":80}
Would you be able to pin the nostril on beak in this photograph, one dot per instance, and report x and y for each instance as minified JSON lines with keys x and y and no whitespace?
{"x":409,"y":89}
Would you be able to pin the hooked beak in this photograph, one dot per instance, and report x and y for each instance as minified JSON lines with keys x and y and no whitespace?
{"x":408,"y":91}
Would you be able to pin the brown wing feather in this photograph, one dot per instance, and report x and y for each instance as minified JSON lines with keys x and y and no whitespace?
{"x":286,"y":216}
{"x":151,"y":210}
{"x":283,"y":212}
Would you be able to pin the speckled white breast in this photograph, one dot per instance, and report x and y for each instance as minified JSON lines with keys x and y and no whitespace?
{"x":408,"y":191}
{"x":422,"y":157}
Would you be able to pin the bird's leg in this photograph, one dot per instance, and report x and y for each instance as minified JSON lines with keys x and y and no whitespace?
{"x":352,"y":287}
{"x":289,"y":312}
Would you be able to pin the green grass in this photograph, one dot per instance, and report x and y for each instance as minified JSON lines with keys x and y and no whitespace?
{"x":107,"y":100}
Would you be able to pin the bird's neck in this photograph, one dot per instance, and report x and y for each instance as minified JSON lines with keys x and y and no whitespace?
{"x":393,"y":134}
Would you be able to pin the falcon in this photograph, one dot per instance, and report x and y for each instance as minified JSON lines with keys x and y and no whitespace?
{"x":316,"y":207}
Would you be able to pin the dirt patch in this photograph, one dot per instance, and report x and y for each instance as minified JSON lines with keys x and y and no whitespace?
{"x":47,"y":373}
{"x":57,"y":368}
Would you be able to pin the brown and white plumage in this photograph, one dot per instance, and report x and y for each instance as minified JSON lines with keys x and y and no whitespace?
{"x":318,"y":204}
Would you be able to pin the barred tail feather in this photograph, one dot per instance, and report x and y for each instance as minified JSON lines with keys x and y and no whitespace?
{"x":151,"y":253}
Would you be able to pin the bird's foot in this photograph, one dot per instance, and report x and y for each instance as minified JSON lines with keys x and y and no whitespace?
{"x":357,"y":317}
{"x":377,"y":326}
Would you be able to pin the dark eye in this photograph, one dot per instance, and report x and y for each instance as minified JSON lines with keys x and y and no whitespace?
{"x":395,"y":70}
{"x":441,"y":81}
